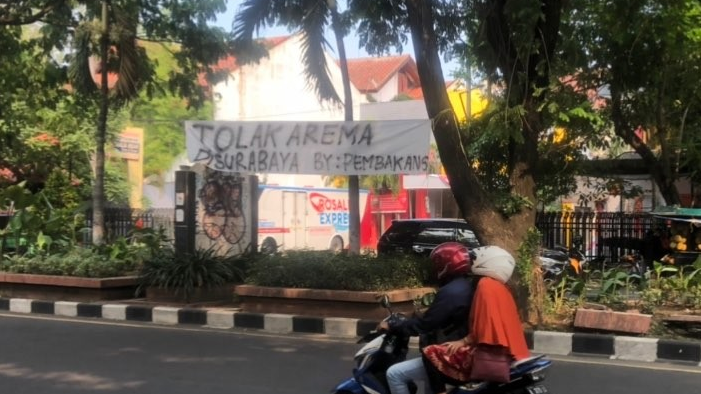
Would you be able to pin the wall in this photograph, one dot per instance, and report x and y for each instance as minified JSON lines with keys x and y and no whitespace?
{"x":388,"y":91}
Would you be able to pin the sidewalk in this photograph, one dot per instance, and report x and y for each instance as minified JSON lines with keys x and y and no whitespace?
{"x":553,"y":343}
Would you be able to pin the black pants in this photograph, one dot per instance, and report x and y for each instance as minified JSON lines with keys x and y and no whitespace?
{"x":436,"y":379}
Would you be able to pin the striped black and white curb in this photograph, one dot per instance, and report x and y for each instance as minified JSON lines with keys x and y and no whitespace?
{"x":548,"y":342}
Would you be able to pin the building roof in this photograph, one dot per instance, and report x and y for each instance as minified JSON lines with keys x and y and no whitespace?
{"x":366,"y":74}
{"x":371,"y":74}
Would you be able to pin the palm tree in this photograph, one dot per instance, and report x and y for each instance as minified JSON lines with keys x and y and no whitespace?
{"x":115,"y":43}
{"x":310,"y":17}
{"x":112,"y":30}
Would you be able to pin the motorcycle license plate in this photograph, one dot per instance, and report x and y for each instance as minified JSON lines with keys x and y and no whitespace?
{"x":537,"y":390}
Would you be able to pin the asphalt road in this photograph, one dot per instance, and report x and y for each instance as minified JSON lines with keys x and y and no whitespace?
{"x":49,"y":355}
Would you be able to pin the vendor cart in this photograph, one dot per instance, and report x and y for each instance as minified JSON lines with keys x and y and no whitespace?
{"x":678,"y":231}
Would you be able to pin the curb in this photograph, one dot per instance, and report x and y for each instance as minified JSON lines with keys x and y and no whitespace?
{"x":548,"y":342}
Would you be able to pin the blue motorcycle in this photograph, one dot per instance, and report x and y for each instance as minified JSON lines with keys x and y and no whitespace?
{"x":383,"y":349}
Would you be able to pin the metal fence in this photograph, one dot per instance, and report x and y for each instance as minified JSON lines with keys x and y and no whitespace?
{"x":604,"y":235}
{"x":119,"y":221}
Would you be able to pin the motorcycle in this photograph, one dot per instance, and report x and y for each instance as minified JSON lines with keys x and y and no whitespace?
{"x":383,"y":349}
{"x":561,"y":261}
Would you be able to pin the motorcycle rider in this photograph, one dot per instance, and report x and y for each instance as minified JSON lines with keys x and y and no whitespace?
{"x":495,"y":322}
{"x":446,"y":318}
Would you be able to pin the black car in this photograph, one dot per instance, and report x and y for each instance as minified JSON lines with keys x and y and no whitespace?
{"x":420,"y":236}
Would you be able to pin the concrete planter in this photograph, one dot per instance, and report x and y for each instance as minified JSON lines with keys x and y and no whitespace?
{"x":66,"y":288}
{"x":219,"y":294}
{"x":606,"y":320}
{"x":325,"y":303}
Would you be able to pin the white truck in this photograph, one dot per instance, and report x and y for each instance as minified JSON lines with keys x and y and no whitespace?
{"x":304,"y":218}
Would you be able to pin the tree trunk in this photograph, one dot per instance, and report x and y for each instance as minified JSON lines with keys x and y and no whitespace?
{"x":491,"y":226}
{"x":353,"y":180}
{"x":98,"y":191}
{"x":476,"y":206}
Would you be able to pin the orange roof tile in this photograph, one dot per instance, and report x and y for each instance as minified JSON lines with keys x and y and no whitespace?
{"x":370,"y":74}
{"x":415,"y":93}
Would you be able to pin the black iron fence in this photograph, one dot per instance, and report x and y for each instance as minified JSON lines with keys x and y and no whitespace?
{"x":604,"y":235}
{"x":119,"y":221}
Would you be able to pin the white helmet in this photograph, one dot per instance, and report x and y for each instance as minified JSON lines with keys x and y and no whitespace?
{"x":494,"y":262}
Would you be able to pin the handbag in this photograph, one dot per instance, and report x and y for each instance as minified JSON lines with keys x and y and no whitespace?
{"x":491,"y":363}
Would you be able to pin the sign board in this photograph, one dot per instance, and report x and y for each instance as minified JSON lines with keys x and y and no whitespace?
{"x":128,"y":145}
{"x":340,"y":148}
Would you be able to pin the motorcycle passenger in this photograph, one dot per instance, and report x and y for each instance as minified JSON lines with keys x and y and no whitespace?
{"x":494,"y":321}
{"x":445,"y":319}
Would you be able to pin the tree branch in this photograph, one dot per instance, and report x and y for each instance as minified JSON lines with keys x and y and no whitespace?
{"x":8,"y":18}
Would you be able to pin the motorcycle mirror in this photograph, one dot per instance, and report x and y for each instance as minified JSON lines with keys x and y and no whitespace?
{"x":427,"y":299}
{"x":384,"y":301}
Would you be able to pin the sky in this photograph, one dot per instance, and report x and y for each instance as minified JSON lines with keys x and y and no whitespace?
{"x":353,"y":49}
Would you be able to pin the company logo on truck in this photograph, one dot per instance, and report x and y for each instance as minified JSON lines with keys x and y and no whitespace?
{"x":333,"y":211}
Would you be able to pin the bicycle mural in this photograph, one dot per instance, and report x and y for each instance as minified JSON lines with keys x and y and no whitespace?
{"x":222,"y":207}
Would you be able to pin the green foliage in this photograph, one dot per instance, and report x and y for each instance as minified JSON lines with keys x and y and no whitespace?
{"x":183,"y":273}
{"x":161,"y":118}
{"x":531,"y":274}
{"x":651,"y":70}
{"x":35,"y":227}
{"x":114,"y":40}
{"x":161,"y":114}
{"x":526,"y":254}
{"x":338,"y":271}
{"x":672,"y":285}
{"x":487,"y":144}
{"x":61,"y":255}
{"x":117,"y":187}
{"x":512,"y":204}
{"x":601,"y":188}
{"x":42,"y":126}
{"x":77,"y":261}
{"x":139,"y":246}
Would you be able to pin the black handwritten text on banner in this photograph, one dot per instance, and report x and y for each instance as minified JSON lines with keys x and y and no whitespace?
{"x":341,"y":148}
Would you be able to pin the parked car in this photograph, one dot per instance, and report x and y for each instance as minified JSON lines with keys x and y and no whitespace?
{"x":421,"y":236}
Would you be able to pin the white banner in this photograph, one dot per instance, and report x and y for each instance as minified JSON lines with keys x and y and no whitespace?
{"x":339,"y":148}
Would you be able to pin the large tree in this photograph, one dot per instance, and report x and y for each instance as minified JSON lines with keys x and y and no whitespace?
{"x":651,"y":69}
{"x":513,"y":43}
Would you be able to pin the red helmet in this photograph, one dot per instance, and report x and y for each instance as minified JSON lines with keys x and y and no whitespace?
{"x":451,"y":259}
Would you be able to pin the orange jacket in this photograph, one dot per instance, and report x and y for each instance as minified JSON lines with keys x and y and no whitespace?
{"x":495,"y":320}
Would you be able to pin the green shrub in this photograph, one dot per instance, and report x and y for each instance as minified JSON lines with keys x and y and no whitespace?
{"x":122,"y":257}
{"x":85,"y":262}
{"x":326,"y":270}
{"x":183,"y":273}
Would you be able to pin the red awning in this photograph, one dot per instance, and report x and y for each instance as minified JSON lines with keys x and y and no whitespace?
{"x":390,"y":203}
